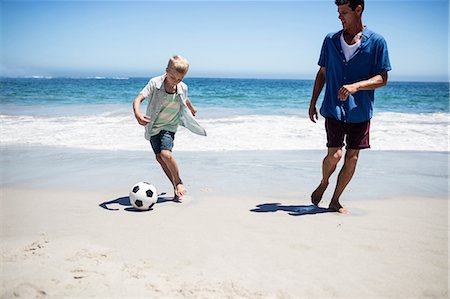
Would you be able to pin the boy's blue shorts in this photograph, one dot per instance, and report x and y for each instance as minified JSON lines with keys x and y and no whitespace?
{"x":162,"y":141}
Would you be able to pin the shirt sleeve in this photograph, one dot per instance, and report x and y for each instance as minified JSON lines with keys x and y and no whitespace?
{"x":185,"y":91}
{"x":383,"y":63}
{"x":323,"y":57}
{"x":147,"y":90}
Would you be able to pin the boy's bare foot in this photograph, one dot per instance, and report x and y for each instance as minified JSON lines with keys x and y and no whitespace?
{"x":336,"y":206}
{"x":180,"y":191}
{"x":316,"y":196}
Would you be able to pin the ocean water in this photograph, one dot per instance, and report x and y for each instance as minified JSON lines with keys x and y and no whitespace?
{"x":238,"y":114}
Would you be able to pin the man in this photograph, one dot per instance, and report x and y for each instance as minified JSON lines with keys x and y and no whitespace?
{"x":353,"y":63}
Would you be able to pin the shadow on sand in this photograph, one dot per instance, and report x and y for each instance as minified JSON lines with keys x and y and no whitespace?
{"x":291,"y":210}
{"x":125,"y":201}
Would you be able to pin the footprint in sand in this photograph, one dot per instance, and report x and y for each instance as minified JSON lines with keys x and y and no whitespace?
{"x":84,"y":261}
{"x":81,"y":273}
{"x":35,"y":247}
{"x":27,"y":290}
{"x":137,"y":271}
{"x":132,"y":270}
{"x":86,"y":254}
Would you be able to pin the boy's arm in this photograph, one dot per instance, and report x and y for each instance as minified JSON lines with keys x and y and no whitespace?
{"x":142,"y":119}
{"x":191,"y":107}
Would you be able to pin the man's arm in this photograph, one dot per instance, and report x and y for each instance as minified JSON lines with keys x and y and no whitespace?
{"x":319,"y":83}
{"x":375,"y":82}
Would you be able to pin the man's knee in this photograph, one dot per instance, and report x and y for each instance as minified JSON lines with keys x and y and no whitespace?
{"x":334,"y":156}
{"x":351,"y":158}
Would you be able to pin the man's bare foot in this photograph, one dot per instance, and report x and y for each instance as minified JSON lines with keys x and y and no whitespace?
{"x":336,"y":206}
{"x":316,"y":196}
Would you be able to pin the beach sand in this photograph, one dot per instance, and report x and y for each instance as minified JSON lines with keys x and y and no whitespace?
{"x":68,"y":230}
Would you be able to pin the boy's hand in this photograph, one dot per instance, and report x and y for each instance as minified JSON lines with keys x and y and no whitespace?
{"x":191,"y":107}
{"x":142,"y":119}
{"x":193,"y":110}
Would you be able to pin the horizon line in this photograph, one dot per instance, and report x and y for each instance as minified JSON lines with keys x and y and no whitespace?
{"x":199,"y":77}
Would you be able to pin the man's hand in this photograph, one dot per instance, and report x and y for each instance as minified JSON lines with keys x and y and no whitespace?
{"x":313,"y":114}
{"x":142,"y":119}
{"x":347,"y":90}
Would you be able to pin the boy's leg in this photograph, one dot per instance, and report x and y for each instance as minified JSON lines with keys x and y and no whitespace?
{"x":156,"y":144}
{"x":164,"y":167}
{"x":328,"y":167}
{"x":162,"y":144}
{"x":172,"y":167}
{"x":345,"y":175}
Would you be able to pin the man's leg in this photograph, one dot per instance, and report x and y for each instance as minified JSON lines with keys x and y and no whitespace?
{"x":328,"y":167}
{"x":172,"y":167}
{"x":345,"y":175}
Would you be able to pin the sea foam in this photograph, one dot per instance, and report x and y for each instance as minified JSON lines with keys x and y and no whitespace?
{"x":118,"y":130}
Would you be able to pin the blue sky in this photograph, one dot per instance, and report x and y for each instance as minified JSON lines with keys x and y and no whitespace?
{"x":257,"y":39}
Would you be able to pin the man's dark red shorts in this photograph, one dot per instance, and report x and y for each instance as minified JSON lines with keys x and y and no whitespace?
{"x":356,"y":135}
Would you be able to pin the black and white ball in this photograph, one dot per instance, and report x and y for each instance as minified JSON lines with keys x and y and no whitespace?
{"x":143,"y":196}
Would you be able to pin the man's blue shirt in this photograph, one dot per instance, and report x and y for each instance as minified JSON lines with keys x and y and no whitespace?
{"x":371,"y":58}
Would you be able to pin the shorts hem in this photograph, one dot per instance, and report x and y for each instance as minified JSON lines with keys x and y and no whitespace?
{"x":358,"y":147}
{"x":330,"y":146}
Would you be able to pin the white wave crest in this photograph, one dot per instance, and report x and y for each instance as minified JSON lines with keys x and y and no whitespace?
{"x":403,"y":131}
{"x":118,"y":130}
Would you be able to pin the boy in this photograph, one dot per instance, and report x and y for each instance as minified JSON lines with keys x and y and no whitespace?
{"x":168,"y":107}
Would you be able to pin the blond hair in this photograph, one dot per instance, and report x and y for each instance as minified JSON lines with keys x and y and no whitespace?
{"x":178,"y":63}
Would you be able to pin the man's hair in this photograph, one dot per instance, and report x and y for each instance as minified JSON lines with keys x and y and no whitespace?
{"x":178,"y":63}
{"x":352,"y":3}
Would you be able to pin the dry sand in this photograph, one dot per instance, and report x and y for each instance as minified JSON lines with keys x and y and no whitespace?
{"x":61,"y":244}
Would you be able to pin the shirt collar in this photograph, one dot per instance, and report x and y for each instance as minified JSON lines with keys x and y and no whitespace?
{"x":364,"y":36}
{"x":160,"y":84}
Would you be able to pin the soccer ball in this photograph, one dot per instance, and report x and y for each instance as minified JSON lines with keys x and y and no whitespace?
{"x":143,"y":196}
